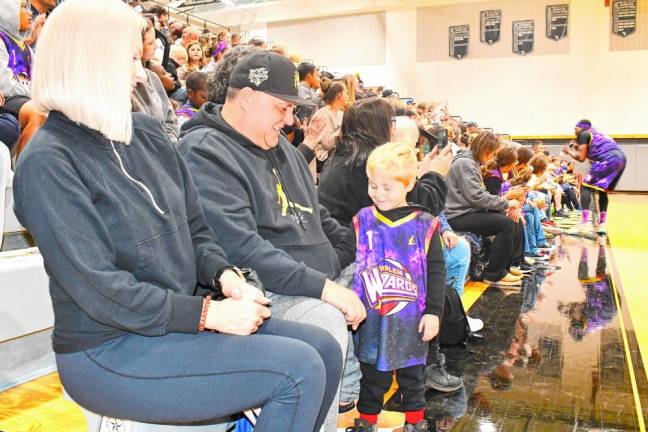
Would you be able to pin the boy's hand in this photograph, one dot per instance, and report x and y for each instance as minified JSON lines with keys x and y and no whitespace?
{"x":449,"y":239}
{"x":429,"y":326}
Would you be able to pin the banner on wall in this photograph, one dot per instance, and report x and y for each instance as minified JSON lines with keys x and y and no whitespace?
{"x":490,"y":26}
{"x":624,"y":17}
{"x":557,"y":18}
{"x":458,"y":40}
{"x":523,"y":36}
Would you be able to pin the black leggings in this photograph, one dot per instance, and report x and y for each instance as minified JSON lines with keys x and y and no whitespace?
{"x":374,"y":384}
{"x":586,"y":199}
{"x":504,"y":248}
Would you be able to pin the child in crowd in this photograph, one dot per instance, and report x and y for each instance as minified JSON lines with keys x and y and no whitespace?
{"x":196,"y":94}
{"x":400,"y":277}
{"x":536,"y":245}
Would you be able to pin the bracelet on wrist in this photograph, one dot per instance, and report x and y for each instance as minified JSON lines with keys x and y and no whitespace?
{"x":203,"y":315}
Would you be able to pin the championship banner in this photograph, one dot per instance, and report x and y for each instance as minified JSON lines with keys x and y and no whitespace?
{"x":557,"y":17}
{"x":458,"y":40}
{"x":624,"y":17}
{"x":490,"y":26}
{"x":523,"y":36}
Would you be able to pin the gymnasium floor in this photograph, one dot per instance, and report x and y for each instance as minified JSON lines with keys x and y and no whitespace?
{"x":561,"y":354}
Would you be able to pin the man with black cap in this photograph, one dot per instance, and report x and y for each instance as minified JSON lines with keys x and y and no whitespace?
{"x":260,"y":200}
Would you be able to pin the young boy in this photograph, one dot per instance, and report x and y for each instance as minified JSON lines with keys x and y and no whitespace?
{"x":400,"y":277}
{"x":196,"y":95}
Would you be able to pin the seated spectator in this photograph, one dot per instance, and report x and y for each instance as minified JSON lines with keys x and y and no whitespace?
{"x":176,"y":28}
{"x":15,"y":55}
{"x":309,"y":83}
{"x":496,"y":174}
{"x":469,"y":207}
{"x":260,"y":200}
{"x":220,"y":49}
{"x":125,"y":256}
{"x":189,"y":34}
{"x":149,"y":96}
{"x":197,"y":95}
{"x":196,"y":61}
{"x":235,"y":40}
{"x":331,"y":115}
{"x":258,"y":42}
{"x":161,"y":18}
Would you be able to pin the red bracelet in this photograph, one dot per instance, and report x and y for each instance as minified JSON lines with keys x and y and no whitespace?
{"x":203,"y":315}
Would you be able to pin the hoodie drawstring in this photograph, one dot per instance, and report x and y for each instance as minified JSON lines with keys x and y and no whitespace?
{"x":137,"y":182}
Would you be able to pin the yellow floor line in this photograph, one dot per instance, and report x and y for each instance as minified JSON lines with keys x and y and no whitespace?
{"x":626,"y":346}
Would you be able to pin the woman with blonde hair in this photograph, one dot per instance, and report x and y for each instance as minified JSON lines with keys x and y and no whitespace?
{"x":121,"y":230}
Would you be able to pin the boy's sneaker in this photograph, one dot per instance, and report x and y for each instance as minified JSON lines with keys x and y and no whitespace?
{"x":475,"y":324}
{"x":421,"y":426}
{"x":362,"y":425}
{"x":437,"y":378}
{"x":529,"y":260}
{"x":601,"y":229}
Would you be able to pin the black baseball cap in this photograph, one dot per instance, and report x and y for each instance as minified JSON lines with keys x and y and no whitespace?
{"x":270,"y":73}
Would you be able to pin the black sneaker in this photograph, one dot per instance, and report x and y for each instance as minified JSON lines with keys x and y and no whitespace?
{"x":421,"y":426}
{"x":362,"y":425}
{"x":437,"y":378}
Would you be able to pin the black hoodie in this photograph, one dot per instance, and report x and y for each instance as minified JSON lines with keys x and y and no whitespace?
{"x":262,"y":205}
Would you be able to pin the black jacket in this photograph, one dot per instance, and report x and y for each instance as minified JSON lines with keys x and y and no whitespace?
{"x":342,"y":190}
{"x":120,"y":229}
{"x":262,"y":205}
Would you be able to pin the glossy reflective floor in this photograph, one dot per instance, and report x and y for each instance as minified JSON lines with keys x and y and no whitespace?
{"x":552,"y":356}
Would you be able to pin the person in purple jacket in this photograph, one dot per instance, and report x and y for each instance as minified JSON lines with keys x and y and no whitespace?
{"x":607,"y":165}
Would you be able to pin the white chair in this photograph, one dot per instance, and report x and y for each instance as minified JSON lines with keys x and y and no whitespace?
{"x":99,"y":423}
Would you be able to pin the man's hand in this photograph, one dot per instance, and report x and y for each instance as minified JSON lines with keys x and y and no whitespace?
{"x":237,"y":288}
{"x":450,"y":239}
{"x":429,"y":326}
{"x":346,"y":301}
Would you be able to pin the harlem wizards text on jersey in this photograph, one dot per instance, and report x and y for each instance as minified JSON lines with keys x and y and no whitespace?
{"x":390,"y":279}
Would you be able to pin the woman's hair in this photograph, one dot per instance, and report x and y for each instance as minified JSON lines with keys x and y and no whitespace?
{"x":333,"y":91}
{"x":483,"y":143}
{"x":192,"y":67}
{"x":219,"y":81}
{"x":524,"y":154}
{"x":506,"y":155}
{"x":406,"y":131}
{"x":90,"y":86}
{"x":365,"y":126}
{"x":396,"y":158}
{"x":537,"y":164}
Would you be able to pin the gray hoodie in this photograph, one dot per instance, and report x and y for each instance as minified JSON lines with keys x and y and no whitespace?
{"x":466,"y":190}
{"x":9,"y":24}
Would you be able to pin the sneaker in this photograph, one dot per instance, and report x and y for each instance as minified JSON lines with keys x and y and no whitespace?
{"x":437,"y":378}
{"x":361,"y":425}
{"x":508,"y":280}
{"x":475,"y":324}
{"x":601,"y":229}
{"x":548,"y":222}
{"x":528,"y":260}
{"x":561,"y":214}
{"x":582,"y":230}
{"x":537,"y":256}
{"x":546,"y":247}
{"x":421,"y":426}
{"x":515,"y":271}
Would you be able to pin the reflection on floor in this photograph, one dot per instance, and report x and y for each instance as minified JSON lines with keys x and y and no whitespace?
{"x":552,"y":356}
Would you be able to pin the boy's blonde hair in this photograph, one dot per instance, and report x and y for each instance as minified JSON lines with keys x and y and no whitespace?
{"x":395,"y":158}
